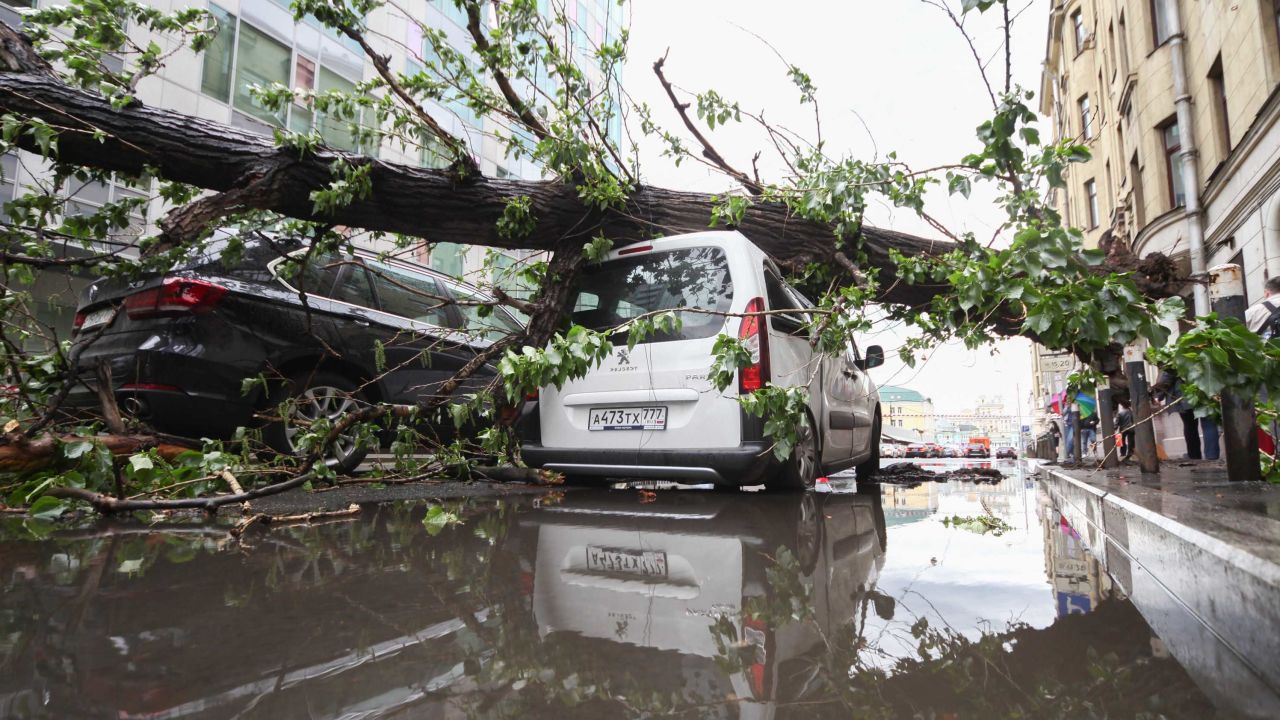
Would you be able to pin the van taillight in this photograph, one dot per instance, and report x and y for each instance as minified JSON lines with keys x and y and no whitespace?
{"x":175,"y":296}
{"x":78,"y":322}
{"x":754,"y":334}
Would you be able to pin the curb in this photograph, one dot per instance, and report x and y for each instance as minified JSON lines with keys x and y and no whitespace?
{"x":1215,"y":605}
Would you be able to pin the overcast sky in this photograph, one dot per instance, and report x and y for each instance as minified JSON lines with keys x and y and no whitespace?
{"x":892,"y":75}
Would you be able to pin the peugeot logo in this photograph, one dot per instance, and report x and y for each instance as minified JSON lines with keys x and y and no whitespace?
{"x":624,"y":356}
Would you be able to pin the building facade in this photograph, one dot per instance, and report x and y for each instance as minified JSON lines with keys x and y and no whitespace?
{"x":908,"y":414}
{"x":260,"y":43}
{"x":1178,"y":103}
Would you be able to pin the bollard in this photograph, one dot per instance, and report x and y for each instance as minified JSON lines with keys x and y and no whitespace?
{"x":1239,"y":422}
{"x":1144,"y":433}
{"x":1106,"y":424}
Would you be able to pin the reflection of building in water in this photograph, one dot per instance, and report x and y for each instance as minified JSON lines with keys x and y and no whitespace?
{"x":999,"y":497}
{"x":904,"y":505}
{"x":1078,"y":580}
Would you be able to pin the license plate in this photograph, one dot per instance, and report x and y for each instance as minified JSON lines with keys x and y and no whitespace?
{"x":619,"y":561}
{"x":630,"y":418}
{"x":97,"y":317}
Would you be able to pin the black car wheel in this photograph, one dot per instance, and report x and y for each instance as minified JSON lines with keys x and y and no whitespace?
{"x":311,"y":397}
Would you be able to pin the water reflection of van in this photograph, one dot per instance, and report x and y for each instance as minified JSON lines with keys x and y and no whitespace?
{"x":655,"y":577}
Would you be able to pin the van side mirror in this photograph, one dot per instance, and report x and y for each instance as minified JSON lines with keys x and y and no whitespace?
{"x":874,"y":358}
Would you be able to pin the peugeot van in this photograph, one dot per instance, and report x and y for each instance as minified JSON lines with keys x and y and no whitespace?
{"x":651,"y":412}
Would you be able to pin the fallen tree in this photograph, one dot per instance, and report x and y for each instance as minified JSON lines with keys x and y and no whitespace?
{"x":88,"y":123}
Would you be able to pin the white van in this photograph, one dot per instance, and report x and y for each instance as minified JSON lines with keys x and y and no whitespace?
{"x":651,"y":412}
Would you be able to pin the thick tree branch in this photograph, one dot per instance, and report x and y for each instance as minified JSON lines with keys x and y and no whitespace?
{"x":461,"y":153}
{"x":708,"y":150}
{"x":521,"y":108}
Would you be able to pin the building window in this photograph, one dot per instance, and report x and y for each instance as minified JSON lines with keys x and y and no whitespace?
{"x":304,"y":78}
{"x":1161,"y":21}
{"x":216,"y":79}
{"x":1123,"y":48}
{"x":448,"y":258}
{"x":260,"y":60}
{"x":1172,"y":165}
{"x":87,"y":198}
{"x":336,"y":132}
{"x":8,"y":181}
{"x":1221,"y":118}
{"x":1139,"y":207}
{"x":1086,"y":118}
{"x":1091,"y":201}
{"x":1275,"y":16}
{"x":1077,"y":23}
{"x":1112,"y":64}
{"x":242,"y":56}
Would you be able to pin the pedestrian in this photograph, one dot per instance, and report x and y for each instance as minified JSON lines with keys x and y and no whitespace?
{"x":1263,"y":317}
{"x":1068,"y":431}
{"x":1089,"y":434}
{"x":1168,"y":389}
{"x":1124,"y":426}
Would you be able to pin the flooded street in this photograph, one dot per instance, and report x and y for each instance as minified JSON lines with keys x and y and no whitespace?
{"x":971,"y":598}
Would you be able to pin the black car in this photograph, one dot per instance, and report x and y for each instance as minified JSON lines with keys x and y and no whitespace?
{"x":1007,"y":452}
{"x":180,"y":345}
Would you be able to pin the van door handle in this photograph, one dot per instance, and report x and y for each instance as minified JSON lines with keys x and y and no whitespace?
{"x":849,"y":373}
{"x":361,"y":323}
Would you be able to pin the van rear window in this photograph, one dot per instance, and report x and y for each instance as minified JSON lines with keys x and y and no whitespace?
{"x":611,"y":293}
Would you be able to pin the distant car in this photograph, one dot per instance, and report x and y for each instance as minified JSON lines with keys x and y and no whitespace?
{"x":976,"y":450}
{"x":936,"y":450}
{"x":950,"y":451}
{"x":1007,"y":452}
{"x":889,"y":450}
{"x":917,"y":450}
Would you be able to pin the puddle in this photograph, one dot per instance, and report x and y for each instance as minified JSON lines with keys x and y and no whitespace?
{"x":593,"y":604}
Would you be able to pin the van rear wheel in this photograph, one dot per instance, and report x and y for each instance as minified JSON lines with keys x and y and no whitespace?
{"x":800,"y":471}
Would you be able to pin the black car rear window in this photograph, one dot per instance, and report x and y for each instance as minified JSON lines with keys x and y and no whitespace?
{"x":611,"y":293}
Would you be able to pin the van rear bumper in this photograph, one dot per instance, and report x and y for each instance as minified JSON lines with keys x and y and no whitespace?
{"x":742,"y":465}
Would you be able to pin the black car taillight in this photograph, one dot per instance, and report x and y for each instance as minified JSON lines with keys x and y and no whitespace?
{"x":174,"y":296}
{"x":754,"y":334}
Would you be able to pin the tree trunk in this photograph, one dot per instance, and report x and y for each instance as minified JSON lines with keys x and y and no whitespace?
{"x":428,"y":203}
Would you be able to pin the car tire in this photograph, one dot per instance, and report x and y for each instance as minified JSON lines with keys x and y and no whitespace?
{"x":867,"y":470}
{"x":808,"y":531}
{"x":800,"y":471}
{"x":315,"y":395}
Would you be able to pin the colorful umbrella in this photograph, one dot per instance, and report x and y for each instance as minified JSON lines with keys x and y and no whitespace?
{"x":1088,"y":404}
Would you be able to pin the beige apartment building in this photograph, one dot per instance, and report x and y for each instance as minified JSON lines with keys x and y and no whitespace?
{"x":1111,"y":81}
{"x":1177,"y":101}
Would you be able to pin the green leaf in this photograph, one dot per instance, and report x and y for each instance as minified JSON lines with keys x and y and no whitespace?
{"x":48,"y":508}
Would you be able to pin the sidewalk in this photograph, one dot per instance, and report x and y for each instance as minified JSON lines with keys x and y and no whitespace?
{"x":1200,"y":557}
